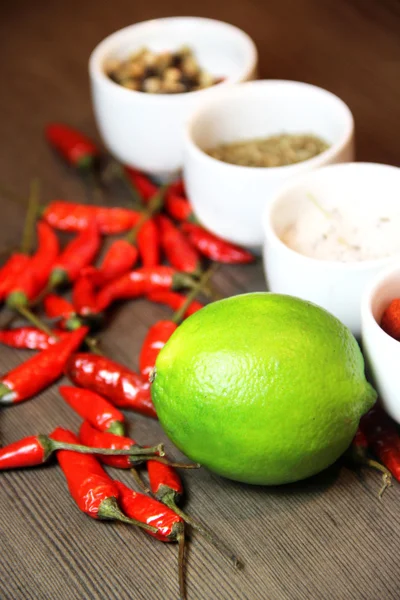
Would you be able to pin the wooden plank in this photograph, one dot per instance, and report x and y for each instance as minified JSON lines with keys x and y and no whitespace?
{"x":329,"y":537}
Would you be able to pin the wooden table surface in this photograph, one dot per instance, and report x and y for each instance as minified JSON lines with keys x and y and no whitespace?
{"x":327,"y":538}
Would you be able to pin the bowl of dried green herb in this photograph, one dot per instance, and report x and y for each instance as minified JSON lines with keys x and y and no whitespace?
{"x":240,"y":146}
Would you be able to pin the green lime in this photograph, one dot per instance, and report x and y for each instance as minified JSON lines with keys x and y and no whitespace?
{"x":261,"y":388}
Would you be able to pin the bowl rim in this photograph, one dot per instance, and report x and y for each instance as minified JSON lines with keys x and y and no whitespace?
{"x":98,"y":56}
{"x":239,"y":87}
{"x":273,"y":238}
{"x":366,"y":304}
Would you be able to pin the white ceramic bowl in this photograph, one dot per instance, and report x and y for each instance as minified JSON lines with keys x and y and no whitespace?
{"x":229,"y":199}
{"x":334,"y":285}
{"x":382,"y":352}
{"x":145,"y":130}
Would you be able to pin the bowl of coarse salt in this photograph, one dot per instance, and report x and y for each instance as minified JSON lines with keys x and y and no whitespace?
{"x":329,"y":232}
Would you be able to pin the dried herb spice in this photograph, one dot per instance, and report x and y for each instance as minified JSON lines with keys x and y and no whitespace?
{"x":274,"y":151}
{"x":160,"y":73}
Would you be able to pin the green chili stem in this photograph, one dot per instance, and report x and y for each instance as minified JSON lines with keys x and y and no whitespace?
{"x":46,"y":290}
{"x":386,"y":483}
{"x":109,"y":509}
{"x":92,"y":344}
{"x":177,"y":465}
{"x":117,"y":428}
{"x":25,"y":312}
{"x":139,"y":481}
{"x":154,"y":206}
{"x":31,"y":215}
{"x":115,"y":171}
{"x":386,"y":477}
{"x":133,"y":451}
{"x":180,"y":313}
{"x":205,"y":532}
{"x":90,"y":177}
{"x":181,"y":562}
{"x":133,"y":191}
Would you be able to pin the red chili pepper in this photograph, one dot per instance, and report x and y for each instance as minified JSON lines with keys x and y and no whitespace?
{"x":35,"y":450}
{"x":156,"y":338}
{"x":94,"y":408}
{"x":138,"y":506}
{"x":74,"y":217}
{"x":120,"y":258}
{"x":160,"y":332}
{"x":167,"y":487}
{"x":37,"y":373}
{"x":390,"y":321}
{"x":174,"y":300}
{"x":30,"y":282}
{"x":176,"y":203}
{"x":179,"y":251}
{"x":79,"y":253}
{"x":145,"y":233}
{"x":133,"y":454}
{"x":44,"y":259}
{"x":141,"y":282}
{"x":170,"y":527}
{"x":113,"y":220}
{"x":178,"y":187}
{"x":360,"y":442}
{"x":148,"y":241}
{"x":84,"y":297}
{"x":56,"y":306}
{"x":89,"y":436}
{"x":179,"y":208}
{"x":76,"y":148}
{"x":23,"y":288}
{"x":123,"y":387}
{"x":28,"y":452}
{"x":100,"y":439}
{"x":383,"y":439}
{"x":11,"y":270}
{"x":358,"y":453}
{"x":93,"y":490}
{"x":165,"y":483}
{"x":215,"y":248}
{"x":144,"y":186}
{"x":30,"y":338}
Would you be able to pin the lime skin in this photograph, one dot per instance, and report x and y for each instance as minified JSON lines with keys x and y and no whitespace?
{"x":261,"y":388}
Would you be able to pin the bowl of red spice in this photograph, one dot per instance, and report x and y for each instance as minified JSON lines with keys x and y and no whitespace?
{"x":147,"y":78}
{"x":380,"y":315}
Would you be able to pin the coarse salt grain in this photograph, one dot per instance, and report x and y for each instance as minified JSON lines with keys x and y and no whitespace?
{"x":343,"y":236}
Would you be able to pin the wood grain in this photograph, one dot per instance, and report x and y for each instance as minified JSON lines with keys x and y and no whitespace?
{"x":328,"y":538}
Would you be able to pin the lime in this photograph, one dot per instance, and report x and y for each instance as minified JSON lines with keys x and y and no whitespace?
{"x":261,"y":388}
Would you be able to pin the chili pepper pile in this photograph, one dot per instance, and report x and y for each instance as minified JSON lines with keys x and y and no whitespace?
{"x":378,"y":435}
{"x":159,"y":249}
